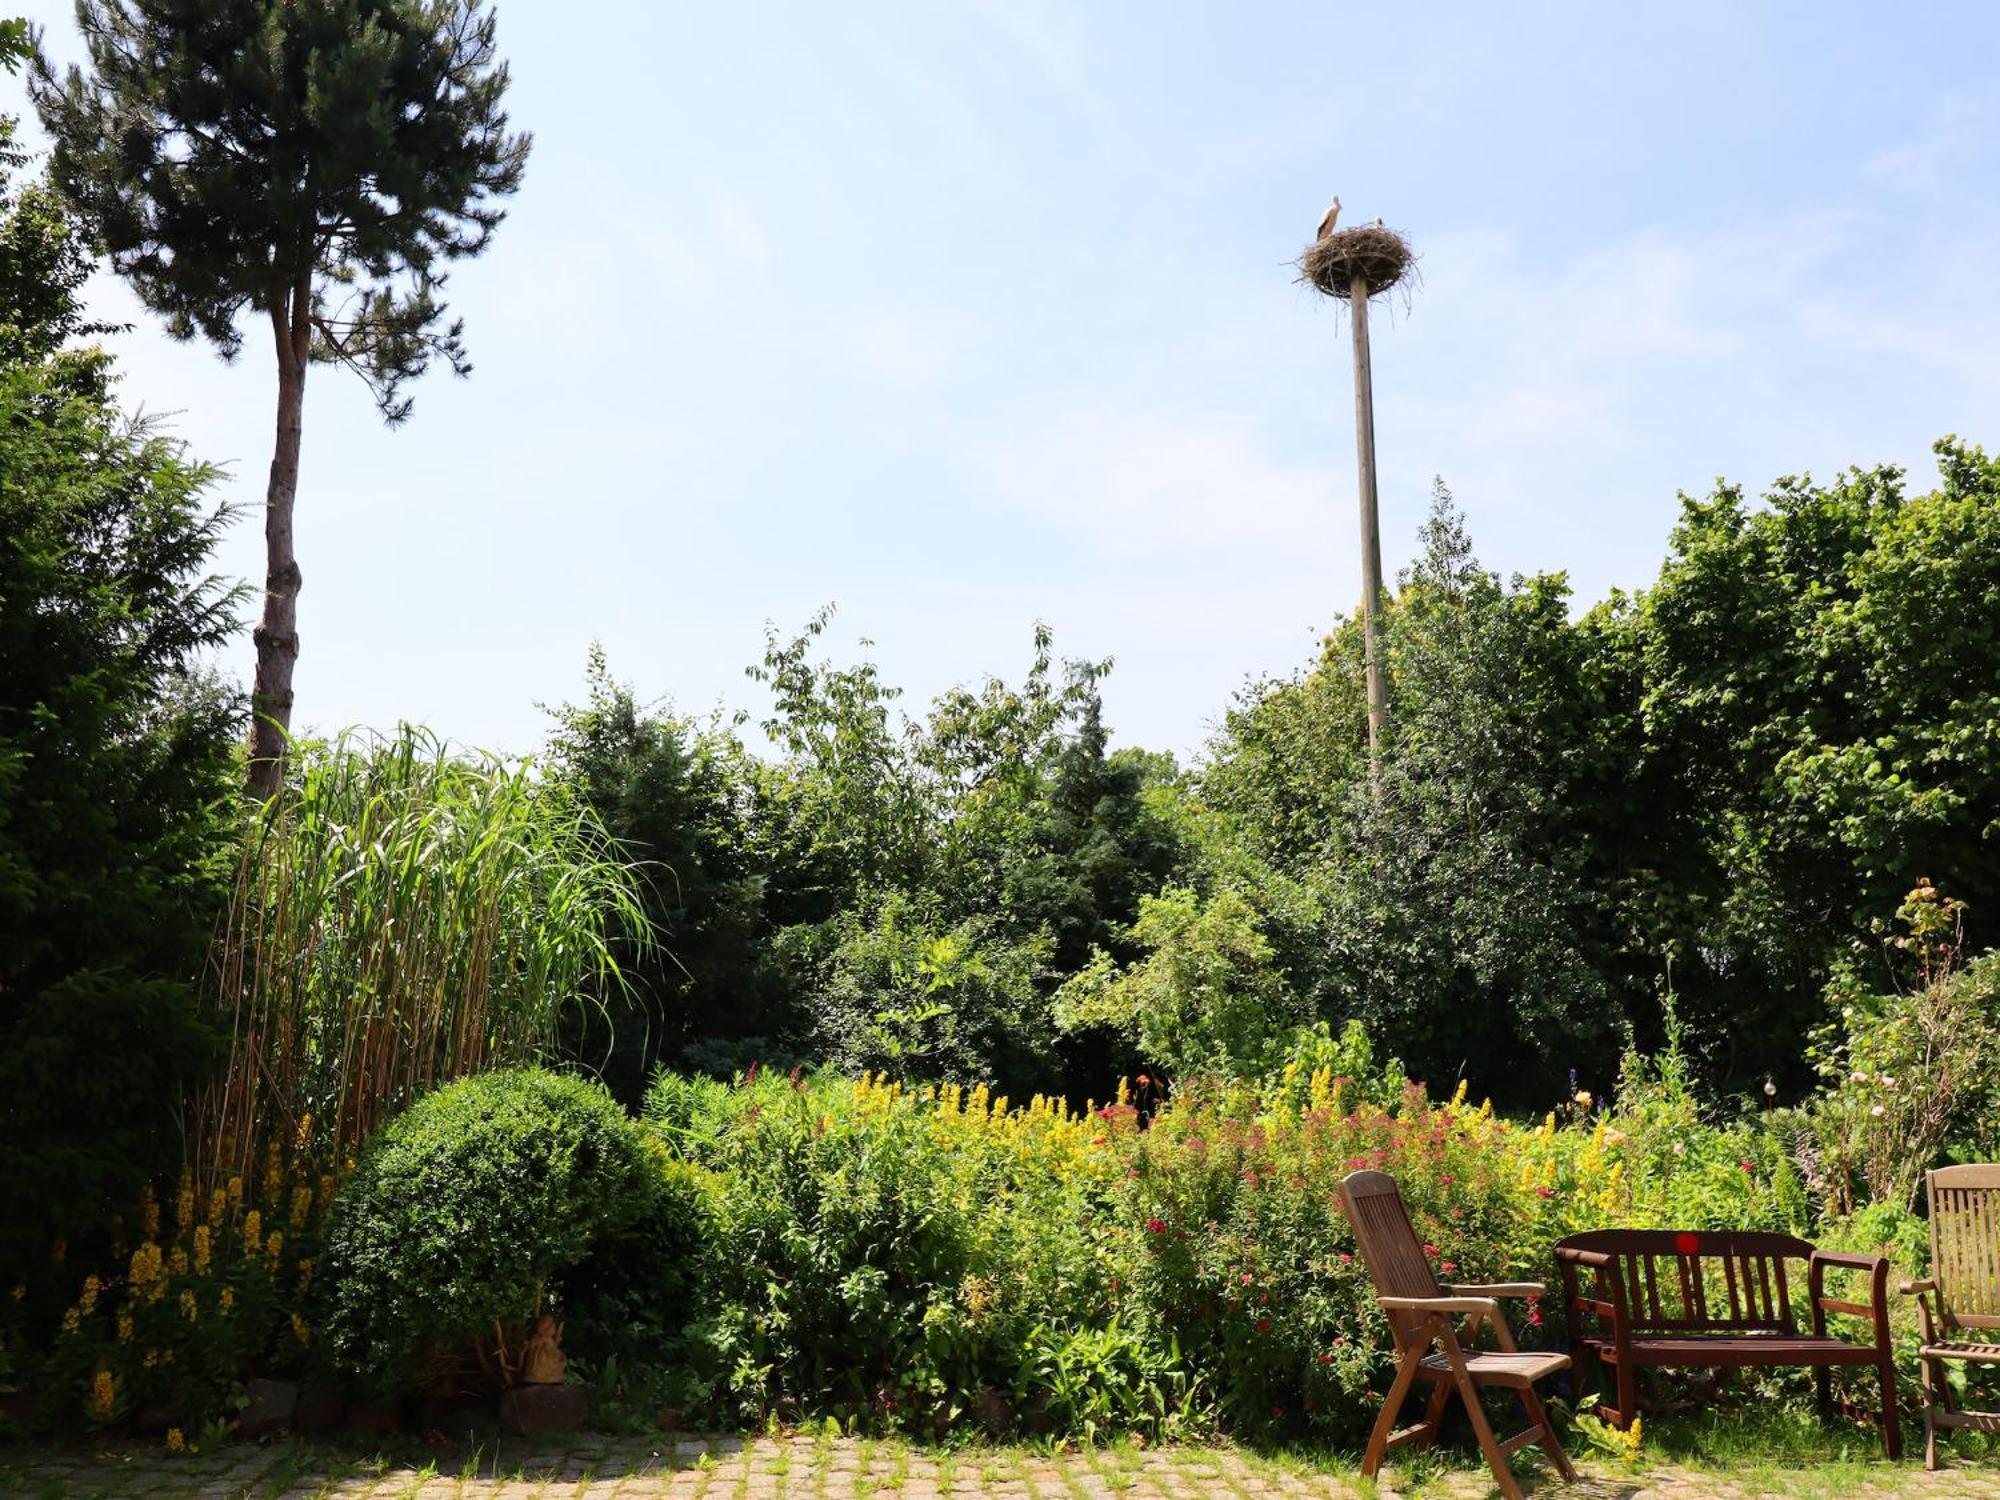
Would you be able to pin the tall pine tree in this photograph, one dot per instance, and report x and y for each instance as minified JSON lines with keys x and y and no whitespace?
{"x":315,"y":163}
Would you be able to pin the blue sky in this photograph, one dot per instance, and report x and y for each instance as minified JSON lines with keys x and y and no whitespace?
{"x":964,"y":316}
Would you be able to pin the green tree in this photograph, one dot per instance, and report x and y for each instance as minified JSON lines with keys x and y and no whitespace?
{"x":314,"y":163}
{"x":116,"y":759}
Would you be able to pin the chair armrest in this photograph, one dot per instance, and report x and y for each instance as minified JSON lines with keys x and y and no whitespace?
{"x":1484,"y":1305}
{"x":1496,"y":1289}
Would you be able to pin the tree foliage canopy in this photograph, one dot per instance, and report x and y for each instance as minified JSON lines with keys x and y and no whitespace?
{"x":323,"y":160}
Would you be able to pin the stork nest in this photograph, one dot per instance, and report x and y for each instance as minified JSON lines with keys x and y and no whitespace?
{"x":1382,"y":258}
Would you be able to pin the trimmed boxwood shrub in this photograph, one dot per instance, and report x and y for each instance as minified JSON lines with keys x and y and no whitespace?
{"x":466,"y":1208}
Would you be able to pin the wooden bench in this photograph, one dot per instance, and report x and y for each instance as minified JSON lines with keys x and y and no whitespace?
{"x":1719,"y":1300}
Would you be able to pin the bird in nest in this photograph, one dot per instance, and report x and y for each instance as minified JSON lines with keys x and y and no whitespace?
{"x":1332,"y":218}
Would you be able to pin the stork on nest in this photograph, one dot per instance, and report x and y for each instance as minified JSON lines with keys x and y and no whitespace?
{"x":1378,"y":255}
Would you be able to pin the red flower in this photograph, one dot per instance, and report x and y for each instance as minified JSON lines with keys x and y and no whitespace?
{"x":1263,"y":1325}
{"x":1277,"y":1411}
{"x":1448,"y":1267}
{"x":1748,"y":1166}
{"x":1325,"y":1359}
{"x":1444,"y":1182}
{"x":1546,"y":1192}
{"x":1431,"y":1250}
{"x":1534,"y":1317}
{"x":1156,"y":1226}
{"x":1246,"y":1278}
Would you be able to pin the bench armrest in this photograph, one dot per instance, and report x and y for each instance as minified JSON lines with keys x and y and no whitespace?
{"x":1495,"y":1289}
{"x":1917,"y":1288}
{"x":1847,"y":1259}
{"x":1876,"y":1308}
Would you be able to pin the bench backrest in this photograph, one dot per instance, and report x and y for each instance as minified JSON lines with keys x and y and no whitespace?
{"x":1965,"y":1243}
{"x":1388,"y":1244}
{"x":1683,"y":1281}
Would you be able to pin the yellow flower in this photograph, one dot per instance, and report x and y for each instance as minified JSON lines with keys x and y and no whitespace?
{"x":152,"y":1358}
{"x":145,"y":1266}
{"x":227,"y":1300}
{"x":305,"y":1273}
{"x":272,"y":1247}
{"x":20,"y":1291}
{"x":179,"y":1263}
{"x":189,"y":1309}
{"x":88,"y":1302}
{"x":71,"y":1321}
{"x":124,"y":1328}
{"x":184,"y":1201}
{"x":272,"y":1174}
{"x":253,"y":1230}
{"x":305,"y":1134}
{"x":103,"y":1395}
{"x":218,"y":1205}
{"x":236,"y":1194}
{"x":202,"y":1248}
{"x":302,"y":1201}
{"x":149,"y":1212}
{"x":300,"y":1331}
{"x":176,"y":1443}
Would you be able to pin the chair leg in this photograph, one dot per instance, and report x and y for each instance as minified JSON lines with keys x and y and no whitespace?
{"x":1930,"y":1373}
{"x":1503,"y":1476}
{"x":1538,"y":1416}
{"x":1892,"y":1429}
{"x":1378,"y":1438}
{"x":1434,"y":1413}
{"x":1628,"y":1395}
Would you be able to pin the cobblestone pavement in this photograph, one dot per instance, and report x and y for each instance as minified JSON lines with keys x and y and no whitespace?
{"x":836,"y":1469}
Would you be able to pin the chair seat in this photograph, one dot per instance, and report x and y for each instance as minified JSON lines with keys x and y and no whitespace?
{"x":1488,"y":1367}
{"x":1961,"y":1349}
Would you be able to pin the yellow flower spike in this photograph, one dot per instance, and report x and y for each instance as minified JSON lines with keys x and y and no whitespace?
{"x":300,"y":1331}
{"x":124,"y":1328}
{"x":176,"y":1442}
{"x":253,"y":1231}
{"x":202,"y":1249}
{"x":1125,"y":1089}
{"x":226,"y":1303}
{"x":20,"y":1291}
{"x":1000,"y":1108}
{"x":87,"y":1304}
{"x":149,"y":1212}
{"x":190,"y":1309}
{"x":1458,"y":1097}
{"x":218,"y":1205}
{"x":301,"y":1206}
{"x":151,"y":1359}
{"x":184,"y":1202}
{"x":72,"y":1321}
{"x":103,"y":1395}
{"x":236,"y":1194}
{"x":305,"y":1133}
{"x":273,"y":1248}
{"x":305,"y":1273}
{"x":179,"y":1263}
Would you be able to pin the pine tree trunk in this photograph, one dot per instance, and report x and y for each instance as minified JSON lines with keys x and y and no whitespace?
{"x":277,"y":634}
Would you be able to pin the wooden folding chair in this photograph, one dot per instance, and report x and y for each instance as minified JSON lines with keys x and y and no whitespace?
{"x":1962,"y":1293}
{"x":1423,"y":1315}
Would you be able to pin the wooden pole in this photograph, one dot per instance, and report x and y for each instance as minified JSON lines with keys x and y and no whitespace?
{"x":1371,"y":527}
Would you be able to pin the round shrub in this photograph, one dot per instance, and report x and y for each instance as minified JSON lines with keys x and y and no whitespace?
{"x":464,"y":1210}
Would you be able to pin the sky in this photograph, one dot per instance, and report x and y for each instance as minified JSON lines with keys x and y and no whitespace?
{"x":965,"y":316}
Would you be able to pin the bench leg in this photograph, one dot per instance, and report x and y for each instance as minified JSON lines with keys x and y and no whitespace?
{"x":1892,"y":1429}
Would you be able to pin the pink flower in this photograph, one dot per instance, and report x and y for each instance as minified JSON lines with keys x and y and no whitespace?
{"x":1263,"y":1325}
{"x":1323,"y":1358}
{"x":1246,"y":1278}
{"x":1431,"y":1251}
{"x":1448,"y":1267}
{"x":1346,"y":1259}
{"x":1748,"y":1166}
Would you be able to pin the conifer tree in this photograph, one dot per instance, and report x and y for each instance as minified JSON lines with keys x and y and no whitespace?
{"x":311,"y":163}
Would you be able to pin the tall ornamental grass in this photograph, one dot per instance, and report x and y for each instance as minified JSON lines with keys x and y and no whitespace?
{"x":403,"y":915}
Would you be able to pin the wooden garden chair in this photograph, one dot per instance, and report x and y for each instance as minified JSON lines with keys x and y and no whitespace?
{"x":1961,"y":1295}
{"x":1423,"y":1317}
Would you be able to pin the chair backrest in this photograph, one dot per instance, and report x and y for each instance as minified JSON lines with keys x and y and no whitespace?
{"x":1965,"y":1243}
{"x":1388,"y":1244}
